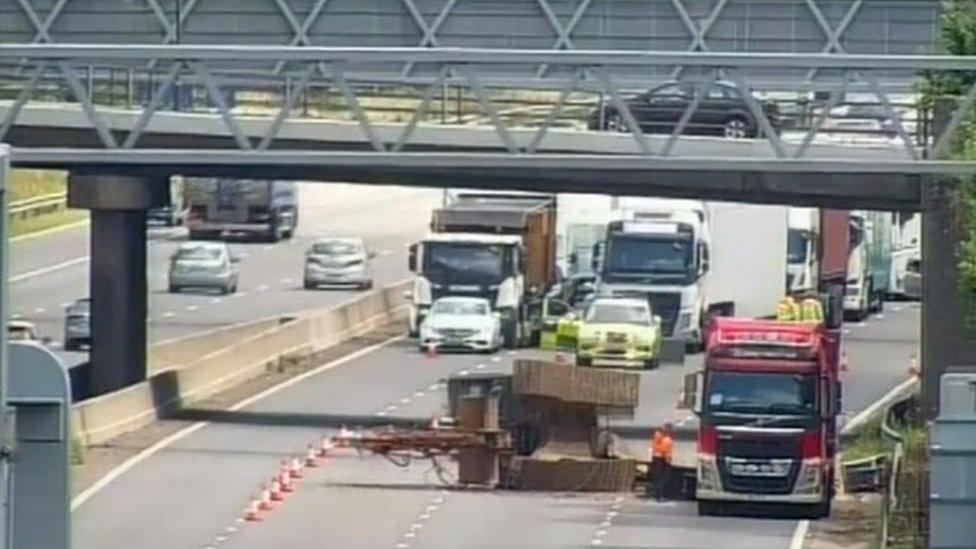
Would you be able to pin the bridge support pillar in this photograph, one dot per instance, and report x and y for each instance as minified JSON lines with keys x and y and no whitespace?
{"x":117,"y":280}
{"x":947,"y":328}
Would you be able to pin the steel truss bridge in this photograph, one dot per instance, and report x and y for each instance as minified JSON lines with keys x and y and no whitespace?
{"x":414,"y":151}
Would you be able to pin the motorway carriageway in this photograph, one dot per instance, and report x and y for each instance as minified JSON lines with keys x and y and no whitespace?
{"x":191,"y":493}
{"x":50,"y":271}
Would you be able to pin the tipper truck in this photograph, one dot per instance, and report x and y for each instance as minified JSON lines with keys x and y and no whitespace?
{"x":692,"y":259}
{"x":770,"y":396}
{"x":265,"y":209}
{"x":494,"y":246}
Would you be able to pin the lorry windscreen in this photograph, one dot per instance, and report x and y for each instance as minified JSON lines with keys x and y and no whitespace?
{"x":796,"y":246}
{"x":670,"y":256}
{"x":761,"y":393}
{"x":466,"y":263}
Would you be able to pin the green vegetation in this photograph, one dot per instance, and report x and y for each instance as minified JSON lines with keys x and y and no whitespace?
{"x":76,"y":452}
{"x":30,"y":183}
{"x":958,"y":37}
{"x":867,"y":443}
{"x":24,"y":226}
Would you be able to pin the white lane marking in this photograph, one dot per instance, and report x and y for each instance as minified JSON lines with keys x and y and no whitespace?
{"x":496,"y":359}
{"x":799,"y":534}
{"x":391,"y":407}
{"x":511,"y":353}
{"x":65,"y":304}
{"x":879,"y":316}
{"x":263,"y":287}
{"x":192,"y":308}
{"x":405,"y":400}
{"x":464,"y":373}
{"x":267,"y":247}
{"x":433,"y":386}
{"x":216,"y":301}
{"x":45,"y":232}
{"x":39,"y":310}
{"x":49,"y":269}
{"x":384,"y":253}
{"x":128,"y":464}
{"x":402,"y":545}
{"x":380,"y":413}
{"x":596,"y":541}
{"x":480,"y":367}
{"x":239,"y":295}
{"x":418,"y":393}
{"x":859,"y":324}
{"x":896,"y":308}
{"x":847,"y":331}
{"x":169,"y":314}
{"x":287,"y":281}
{"x":410,"y":535}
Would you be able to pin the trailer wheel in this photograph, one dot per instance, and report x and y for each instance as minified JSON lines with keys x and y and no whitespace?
{"x":652,"y":363}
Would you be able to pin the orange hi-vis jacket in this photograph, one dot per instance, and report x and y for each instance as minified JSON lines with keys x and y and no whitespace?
{"x":662,"y":446}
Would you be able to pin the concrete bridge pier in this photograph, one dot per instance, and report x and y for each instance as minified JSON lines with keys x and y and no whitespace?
{"x":948,"y":324}
{"x":117,"y":282}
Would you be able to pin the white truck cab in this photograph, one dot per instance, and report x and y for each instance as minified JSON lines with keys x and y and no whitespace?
{"x":802,"y":269}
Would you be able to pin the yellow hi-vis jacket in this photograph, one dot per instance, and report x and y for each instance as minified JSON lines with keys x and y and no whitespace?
{"x":787,"y":310}
{"x":811,"y":310}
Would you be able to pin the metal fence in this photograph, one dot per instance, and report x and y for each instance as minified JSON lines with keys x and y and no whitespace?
{"x":904,"y":517}
{"x":37,"y":206}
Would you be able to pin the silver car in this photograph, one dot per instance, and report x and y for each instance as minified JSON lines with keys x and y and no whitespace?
{"x":203,"y":265}
{"x":77,"y":325}
{"x":338,"y":261}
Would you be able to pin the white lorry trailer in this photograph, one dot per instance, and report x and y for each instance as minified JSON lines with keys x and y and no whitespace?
{"x":694,"y":258}
{"x":905,"y":249}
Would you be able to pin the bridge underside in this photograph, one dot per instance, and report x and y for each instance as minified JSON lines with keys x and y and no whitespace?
{"x":819,"y":184}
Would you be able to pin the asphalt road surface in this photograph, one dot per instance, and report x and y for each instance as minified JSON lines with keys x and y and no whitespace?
{"x":192,"y":493}
{"x":50,"y":271}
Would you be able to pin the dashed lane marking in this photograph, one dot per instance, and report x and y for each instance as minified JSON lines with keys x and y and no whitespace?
{"x":263,"y":287}
{"x":48,"y":269}
{"x":40,"y":310}
{"x":169,"y":314}
{"x":192,"y":308}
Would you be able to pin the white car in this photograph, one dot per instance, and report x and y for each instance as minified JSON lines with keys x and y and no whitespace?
{"x":464,"y":323}
{"x":338,"y":261}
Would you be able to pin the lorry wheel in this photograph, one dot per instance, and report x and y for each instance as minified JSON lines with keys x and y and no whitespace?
{"x":710,"y":508}
{"x":71,"y":345}
{"x":173,"y":289}
{"x":584,"y":361}
{"x":510,"y":335}
{"x":652,"y":363}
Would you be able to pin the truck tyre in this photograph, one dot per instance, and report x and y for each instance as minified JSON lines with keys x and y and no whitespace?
{"x":174,"y":289}
{"x":71,"y":345}
{"x":510,"y":333}
{"x":309,"y":285}
{"x":584,"y":361}
{"x":707,"y":508}
{"x":652,"y":363}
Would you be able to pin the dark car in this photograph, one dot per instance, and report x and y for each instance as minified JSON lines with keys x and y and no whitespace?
{"x":77,"y":325}
{"x":722,"y":111}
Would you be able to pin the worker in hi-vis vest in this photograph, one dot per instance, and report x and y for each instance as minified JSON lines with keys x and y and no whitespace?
{"x":662,"y":450}
{"x":787,"y":309}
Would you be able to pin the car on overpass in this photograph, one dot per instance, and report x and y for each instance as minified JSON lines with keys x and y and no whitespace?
{"x":338,"y":262}
{"x":77,"y":325}
{"x":461,"y":323}
{"x":722,"y":110}
{"x":203,"y":265}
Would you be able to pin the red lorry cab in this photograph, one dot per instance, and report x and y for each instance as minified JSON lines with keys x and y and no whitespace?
{"x":767,"y":415}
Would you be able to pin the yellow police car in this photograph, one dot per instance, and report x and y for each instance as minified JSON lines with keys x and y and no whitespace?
{"x":621,"y":332}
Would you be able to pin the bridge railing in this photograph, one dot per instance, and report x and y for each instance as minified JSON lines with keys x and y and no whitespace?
{"x":610,"y":75}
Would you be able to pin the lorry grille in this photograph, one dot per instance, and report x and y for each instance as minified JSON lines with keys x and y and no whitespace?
{"x":753,"y":458}
{"x":443,"y":290}
{"x":667,"y":306}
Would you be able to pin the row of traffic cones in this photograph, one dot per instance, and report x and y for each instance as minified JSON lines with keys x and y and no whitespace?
{"x":273,"y":492}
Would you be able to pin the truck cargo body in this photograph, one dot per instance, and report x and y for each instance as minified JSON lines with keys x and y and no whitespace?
{"x":905,"y":249}
{"x":220,"y":207}
{"x":175,"y":212}
{"x":768,"y":406}
{"x":493,"y":246}
{"x":691,"y":258}
{"x":869,"y":267}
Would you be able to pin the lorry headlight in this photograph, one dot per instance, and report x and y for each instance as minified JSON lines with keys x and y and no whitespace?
{"x":808,"y":481}
{"x":708,"y":474}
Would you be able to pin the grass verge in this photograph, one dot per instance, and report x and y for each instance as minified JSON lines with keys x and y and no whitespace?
{"x":21,"y":227}
{"x":26,"y":184}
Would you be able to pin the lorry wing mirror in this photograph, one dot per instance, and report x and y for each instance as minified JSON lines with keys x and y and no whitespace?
{"x":412,"y":258}
{"x":691,"y":399}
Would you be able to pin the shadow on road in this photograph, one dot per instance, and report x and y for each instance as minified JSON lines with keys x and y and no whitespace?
{"x":297,"y":419}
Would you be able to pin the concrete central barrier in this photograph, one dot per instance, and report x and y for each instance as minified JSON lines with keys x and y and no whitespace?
{"x":194,"y":368}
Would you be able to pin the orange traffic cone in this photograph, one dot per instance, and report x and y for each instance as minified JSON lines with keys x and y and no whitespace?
{"x":252,"y":512}
{"x":276,"y":494}
{"x":311,"y":457}
{"x":913,"y":369}
{"x":285,"y":480}
{"x":325,"y":447}
{"x":295,"y":470}
{"x":265,"y":502}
